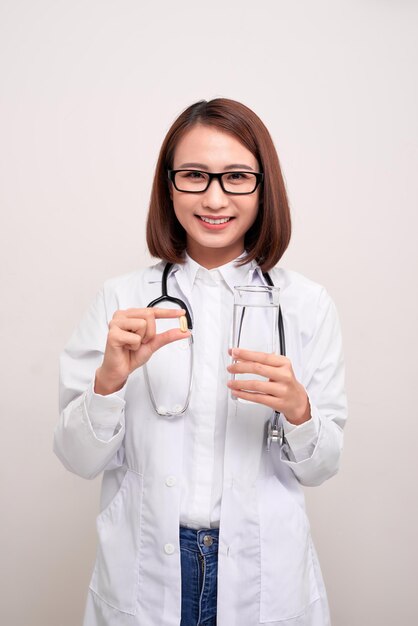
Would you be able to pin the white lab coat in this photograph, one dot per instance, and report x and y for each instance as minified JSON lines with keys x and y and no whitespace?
{"x":268,"y":569}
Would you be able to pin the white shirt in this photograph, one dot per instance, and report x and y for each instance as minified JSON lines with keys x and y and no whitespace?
{"x":212,"y":295}
{"x":204,"y":433}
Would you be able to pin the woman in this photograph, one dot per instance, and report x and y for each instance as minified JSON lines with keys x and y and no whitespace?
{"x":244,"y":554}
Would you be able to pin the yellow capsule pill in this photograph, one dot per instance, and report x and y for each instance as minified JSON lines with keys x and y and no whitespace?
{"x":183,"y":324}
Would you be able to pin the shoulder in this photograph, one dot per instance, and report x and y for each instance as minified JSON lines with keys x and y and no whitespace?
{"x":132,"y":290}
{"x":302,"y":297}
{"x":133,"y":279}
{"x":293,"y":283}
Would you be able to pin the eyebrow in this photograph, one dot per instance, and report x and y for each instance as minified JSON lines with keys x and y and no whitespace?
{"x":232,"y":166}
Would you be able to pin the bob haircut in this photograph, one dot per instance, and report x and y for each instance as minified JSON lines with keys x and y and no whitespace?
{"x":269,"y":236}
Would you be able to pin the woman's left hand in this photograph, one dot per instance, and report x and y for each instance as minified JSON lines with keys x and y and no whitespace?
{"x":281,"y":391}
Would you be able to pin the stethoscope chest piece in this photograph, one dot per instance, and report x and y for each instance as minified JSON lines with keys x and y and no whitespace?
{"x":274,"y":432}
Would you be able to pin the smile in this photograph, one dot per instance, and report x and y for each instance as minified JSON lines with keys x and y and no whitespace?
{"x":221,"y":220}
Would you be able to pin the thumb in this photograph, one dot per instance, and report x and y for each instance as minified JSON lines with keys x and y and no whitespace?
{"x":162,"y":339}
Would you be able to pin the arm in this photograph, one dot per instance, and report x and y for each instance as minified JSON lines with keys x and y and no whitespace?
{"x":91,"y":427}
{"x":95,"y":367}
{"x":323,"y":379}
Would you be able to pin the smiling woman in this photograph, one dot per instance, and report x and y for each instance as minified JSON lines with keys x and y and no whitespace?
{"x":216,"y":138}
{"x":192,"y":496}
{"x":215,"y":220}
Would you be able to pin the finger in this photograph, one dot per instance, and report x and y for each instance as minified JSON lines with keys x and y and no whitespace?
{"x":275,"y":360}
{"x":130,"y":324}
{"x":156,"y":312}
{"x":143,"y":326}
{"x":168,"y":313}
{"x":260,"y":386}
{"x":160,"y":314}
{"x":258,"y":398}
{"x":259,"y":369}
{"x":162,"y":339}
{"x":150,"y":329}
{"x":124,"y":339}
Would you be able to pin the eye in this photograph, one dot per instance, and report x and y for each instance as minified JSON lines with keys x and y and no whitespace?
{"x":193,"y":175}
{"x":238,"y":177}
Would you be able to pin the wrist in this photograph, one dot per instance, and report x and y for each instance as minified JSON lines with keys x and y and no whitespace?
{"x":302,"y":414}
{"x":105,"y":385}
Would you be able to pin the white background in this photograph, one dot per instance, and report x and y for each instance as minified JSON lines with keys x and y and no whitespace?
{"x":88,"y":90}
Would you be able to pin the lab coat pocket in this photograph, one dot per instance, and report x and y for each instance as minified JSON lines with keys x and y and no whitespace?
{"x":115,"y":576}
{"x":288,"y":583}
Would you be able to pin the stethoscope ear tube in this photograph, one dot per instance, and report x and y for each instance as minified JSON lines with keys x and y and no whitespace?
{"x":282,"y":342}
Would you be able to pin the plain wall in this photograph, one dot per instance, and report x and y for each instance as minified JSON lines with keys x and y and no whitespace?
{"x":88,"y":89}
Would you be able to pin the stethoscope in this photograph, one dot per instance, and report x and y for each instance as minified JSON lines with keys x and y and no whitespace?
{"x":274,"y":430}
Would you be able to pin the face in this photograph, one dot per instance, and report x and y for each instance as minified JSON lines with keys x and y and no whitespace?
{"x":211,"y":150}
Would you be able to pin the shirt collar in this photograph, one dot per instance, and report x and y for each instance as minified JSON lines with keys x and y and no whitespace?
{"x":232,"y":274}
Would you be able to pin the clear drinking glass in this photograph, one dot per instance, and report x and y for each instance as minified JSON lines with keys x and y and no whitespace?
{"x":255,"y":322}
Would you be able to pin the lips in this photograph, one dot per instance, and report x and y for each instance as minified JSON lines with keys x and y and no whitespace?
{"x":215,"y":221}
{"x":209,"y":220}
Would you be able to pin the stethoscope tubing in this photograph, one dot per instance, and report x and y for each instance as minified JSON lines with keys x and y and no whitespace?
{"x":274,"y":431}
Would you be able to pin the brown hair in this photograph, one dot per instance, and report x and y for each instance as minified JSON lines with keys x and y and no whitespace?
{"x":269,"y":236}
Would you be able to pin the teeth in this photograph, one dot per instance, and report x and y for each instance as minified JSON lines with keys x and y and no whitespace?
{"x":210,"y":221}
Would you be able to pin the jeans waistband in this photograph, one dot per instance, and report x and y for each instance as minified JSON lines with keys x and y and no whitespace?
{"x":204,"y":541}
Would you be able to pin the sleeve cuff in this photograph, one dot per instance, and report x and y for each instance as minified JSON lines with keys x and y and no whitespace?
{"x":302,"y":439}
{"x":302,"y":435}
{"x":106,"y":413}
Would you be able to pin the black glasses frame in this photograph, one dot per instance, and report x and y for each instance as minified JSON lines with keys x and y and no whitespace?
{"x":218,"y":175}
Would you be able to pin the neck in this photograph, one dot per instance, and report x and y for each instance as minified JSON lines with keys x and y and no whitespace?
{"x":214,"y":257}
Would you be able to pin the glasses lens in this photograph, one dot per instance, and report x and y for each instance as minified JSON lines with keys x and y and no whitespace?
{"x":239,"y":182}
{"x":191,"y":180}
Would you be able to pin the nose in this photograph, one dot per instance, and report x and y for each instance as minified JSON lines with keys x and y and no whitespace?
{"x":214,"y":197}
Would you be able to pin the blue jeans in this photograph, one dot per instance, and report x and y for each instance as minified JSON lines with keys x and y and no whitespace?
{"x":199,"y":576}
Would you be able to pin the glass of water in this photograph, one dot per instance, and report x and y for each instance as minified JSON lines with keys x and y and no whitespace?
{"x":255,"y":322}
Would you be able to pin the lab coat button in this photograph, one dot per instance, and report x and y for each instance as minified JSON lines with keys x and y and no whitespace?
{"x":169,"y":548}
{"x":170,"y":481}
{"x":177,"y":408}
{"x":207,"y":540}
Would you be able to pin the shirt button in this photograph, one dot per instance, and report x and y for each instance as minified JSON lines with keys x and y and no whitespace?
{"x":169,"y":548}
{"x":170,"y":481}
{"x":208,"y":540}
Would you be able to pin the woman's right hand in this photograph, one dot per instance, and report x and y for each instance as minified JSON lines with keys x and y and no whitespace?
{"x":131,"y":341}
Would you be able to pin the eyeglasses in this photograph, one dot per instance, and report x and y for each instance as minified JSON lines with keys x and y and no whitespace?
{"x":195,"y":181}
